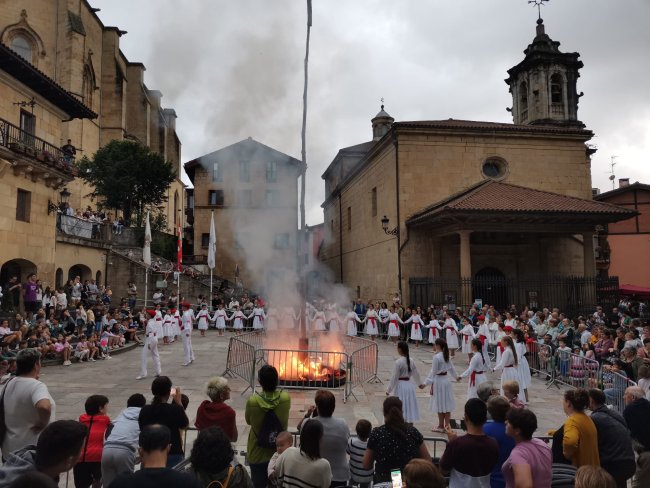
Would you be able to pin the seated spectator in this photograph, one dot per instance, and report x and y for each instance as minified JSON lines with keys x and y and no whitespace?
{"x":283,"y":441}
{"x":644,"y":380}
{"x":172,"y":415}
{"x":88,"y":471}
{"x":469,"y":459}
{"x":636,"y":414}
{"x":594,"y":477}
{"x":498,"y":408}
{"x":336,"y":433}
{"x":121,"y":445}
{"x":604,"y":347}
{"x":394,"y":444}
{"x":82,"y":350}
{"x":631,"y":362}
{"x":57,"y":451}
{"x":357,"y":449}
{"x":580,"y":441}
{"x":511,"y":392}
{"x":211,"y":459}
{"x":530,"y":461}
{"x":154,"y":440}
{"x":486,"y":390}
{"x":304,"y":466}
{"x":215,"y":412}
{"x":8,"y":338}
{"x":419,"y":473}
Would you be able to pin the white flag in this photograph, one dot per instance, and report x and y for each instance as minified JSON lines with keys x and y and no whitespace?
{"x":212,"y":245}
{"x":146,"y":251}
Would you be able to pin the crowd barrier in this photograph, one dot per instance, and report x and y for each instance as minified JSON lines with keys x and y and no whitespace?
{"x":613,"y":385}
{"x":575,"y":371}
{"x":241,"y":361}
{"x":541,"y":360}
{"x":364,"y":362}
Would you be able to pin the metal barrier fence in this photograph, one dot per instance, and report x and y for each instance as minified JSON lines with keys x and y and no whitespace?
{"x":541,"y":360}
{"x":363,"y":365}
{"x":613,"y":385}
{"x":575,"y":371}
{"x":241,"y":361}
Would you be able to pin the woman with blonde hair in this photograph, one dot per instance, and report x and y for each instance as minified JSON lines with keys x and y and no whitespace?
{"x":420,"y":473}
{"x":593,"y":477}
{"x":215,"y":412}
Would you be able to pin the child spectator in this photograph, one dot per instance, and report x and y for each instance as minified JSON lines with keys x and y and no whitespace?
{"x":564,"y":357}
{"x":511,"y":392}
{"x":88,"y":471}
{"x":357,"y":449}
{"x":82,"y":351}
{"x":93,"y":345}
{"x":62,"y":348}
{"x":283,"y":441}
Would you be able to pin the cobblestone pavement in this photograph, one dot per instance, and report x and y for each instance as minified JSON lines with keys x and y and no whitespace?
{"x":116,"y":379}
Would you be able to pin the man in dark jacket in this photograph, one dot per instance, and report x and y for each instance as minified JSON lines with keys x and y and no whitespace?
{"x":636,"y":414}
{"x":614,"y":441}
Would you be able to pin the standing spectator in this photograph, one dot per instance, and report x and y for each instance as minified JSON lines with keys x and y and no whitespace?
{"x":336,"y":433}
{"x":258,"y":408}
{"x":304,"y":466}
{"x":154,"y":448}
{"x":498,"y":408}
{"x":394,"y":444}
{"x":614,"y":441}
{"x":56,"y":452}
{"x":121,"y":445}
{"x":69,"y":152}
{"x":88,"y":471}
{"x":12,"y":288}
{"x":419,"y":473}
{"x":357,"y":449}
{"x":580,"y":441}
{"x":636,"y":414}
{"x":30,"y":290}
{"x":132,"y":292}
{"x":215,"y":412}
{"x":211,"y":460}
{"x":28,"y":405}
{"x":530,"y":461}
{"x":469,"y":459}
{"x":171,"y":415}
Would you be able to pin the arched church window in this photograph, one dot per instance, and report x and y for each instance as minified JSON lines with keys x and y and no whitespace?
{"x":556,"y":88}
{"x":523,"y":95}
{"x":88,"y":86}
{"x":23,"y":47}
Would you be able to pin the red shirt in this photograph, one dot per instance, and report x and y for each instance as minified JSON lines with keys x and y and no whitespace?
{"x":214,"y":414}
{"x":92,"y":451}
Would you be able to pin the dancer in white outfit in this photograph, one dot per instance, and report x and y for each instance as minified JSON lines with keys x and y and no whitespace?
{"x":176,"y":324}
{"x":318,"y":320}
{"x":416,"y":327}
{"x":383,"y":320}
{"x":478,"y":366}
{"x":483,"y":335}
{"x":203,"y":317}
{"x":434,"y":330}
{"x":509,"y":362}
{"x":524,"y":368}
{"x":351,"y":320}
{"x":150,"y":344}
{"x":159,"y":322}
{"x":393,"y":320}
{"x":372,"y":322}
{"x":500,"y":334}
{"x":187,"y":321}
{"x":219,"y":318}
{"x":467,"y":334}
{"x":237,"y":318}
{"x":259,"y":316}
{"x":442,"y":400}
{"x":272,"y":319}
{"x":400,"y":384}
{"x":333,"y":320}
{"x":167,"y":326}
{"x":451,"y":334}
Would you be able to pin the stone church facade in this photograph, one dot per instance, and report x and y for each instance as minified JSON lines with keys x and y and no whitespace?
{"x":447,"y":202}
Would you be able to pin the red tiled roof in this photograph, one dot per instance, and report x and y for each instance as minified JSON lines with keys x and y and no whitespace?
{"x":483,"y":126}
{"x":494,"y":196}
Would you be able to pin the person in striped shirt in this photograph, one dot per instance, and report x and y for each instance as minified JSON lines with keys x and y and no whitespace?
{"x":356,"y":449}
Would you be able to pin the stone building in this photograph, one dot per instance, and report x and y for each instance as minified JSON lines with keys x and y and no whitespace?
{"x":65,"y":45}
{"x":252,"y":191}
{"x":428,"y":209}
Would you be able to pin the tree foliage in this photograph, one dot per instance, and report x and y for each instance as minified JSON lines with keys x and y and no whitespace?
{"x":128,"y":176}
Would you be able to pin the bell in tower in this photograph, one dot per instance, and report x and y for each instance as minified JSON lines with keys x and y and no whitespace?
{"x":543,"y":85}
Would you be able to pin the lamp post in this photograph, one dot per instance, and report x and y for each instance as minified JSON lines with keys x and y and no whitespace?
{"x":64,"y":196}
{"x":395,"y":232}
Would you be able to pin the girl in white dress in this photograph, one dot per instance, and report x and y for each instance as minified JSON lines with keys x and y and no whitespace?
{"x":442,"y":399}
{"x":176,"y":325}
{"x":416,"y":327}
{"x":467,"y":335}
{"x":351,"y":320}
{"x":332,"y":320}
{"x":372,"y":322}
{"x":478,"y":366}
{"x":400,"y":384}
{"x":159,"y":322}
{"x":258,"y":319}
{"x":510,"y":321}
{"x":219,"y":318}
{"x":524,"y":368}
{"x":393,"y":320}
{"x":435,"y":330}
{"x":483,"y":335}
{"x":451,"y":334}
{"x":383,"y":319}
{"x":288,"y":318}
{"x":318,"y":321}
{"x":203,"y":317}
{"x":237,"y":319}
{"x":500,"y":334}
{"x":509,"y":362}
{"x":272,"y":319}
{"x":167,"y":326}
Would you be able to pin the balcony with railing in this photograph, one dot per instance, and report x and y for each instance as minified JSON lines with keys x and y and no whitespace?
{"x":36,"y":156}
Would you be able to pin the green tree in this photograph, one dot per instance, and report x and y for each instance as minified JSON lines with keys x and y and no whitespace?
{"x":128,"y":176}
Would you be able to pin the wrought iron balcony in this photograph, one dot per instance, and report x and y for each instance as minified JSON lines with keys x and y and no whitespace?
{"x":50,"y":162}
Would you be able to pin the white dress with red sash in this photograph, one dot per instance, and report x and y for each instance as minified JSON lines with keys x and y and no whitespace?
{"x":477,"y":370}
{"x":416,"y":327}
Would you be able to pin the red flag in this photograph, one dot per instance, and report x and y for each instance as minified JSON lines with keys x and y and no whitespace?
{"x":179,"y":251}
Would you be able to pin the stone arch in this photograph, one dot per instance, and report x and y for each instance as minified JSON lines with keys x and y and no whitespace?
{"x":557,"y":88}
{"x":80,"y":270}
{"x":98,"y":278}
{"x":58,"y":278}
{"x":24,"y":30}
{"x":490,"y":285}
{"x":21,"y":269}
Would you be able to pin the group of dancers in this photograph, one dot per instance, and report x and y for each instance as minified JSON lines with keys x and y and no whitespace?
{"x":510,"y":362}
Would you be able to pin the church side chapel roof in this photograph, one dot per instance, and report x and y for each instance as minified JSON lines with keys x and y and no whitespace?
{"x":489,"y":196}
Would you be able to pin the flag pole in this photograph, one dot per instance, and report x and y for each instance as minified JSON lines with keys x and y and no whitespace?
{"x":146,"y":257}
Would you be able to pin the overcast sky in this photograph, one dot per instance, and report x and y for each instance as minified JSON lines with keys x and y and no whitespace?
{"x":233,"y":69}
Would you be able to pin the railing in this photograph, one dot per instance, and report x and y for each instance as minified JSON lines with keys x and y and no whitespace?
{"x":364,"y":362}
{"x":88,"y":229}
{"x":576,"y":371}
{"x":613,"y":385}
{"x":195,"y":259}
{"x":21,"y":141}
{"x":241,"y":362}
{"x":541,"y":360}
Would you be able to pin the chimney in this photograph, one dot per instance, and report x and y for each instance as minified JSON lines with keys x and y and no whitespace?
{"x":623,"y":182}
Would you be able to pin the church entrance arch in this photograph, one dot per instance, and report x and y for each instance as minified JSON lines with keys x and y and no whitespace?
{"x":490,"y":286}
{"x":80,"y":270}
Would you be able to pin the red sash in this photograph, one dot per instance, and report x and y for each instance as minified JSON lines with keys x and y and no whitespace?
{"x":394,"y":322}
{"x":261,"y":319}
{"x":501,"y":348}
{"x":466,"y":338}
{"x":472,"y":377}
{"x":417,"y":325}
{"x":482,"y":339}
{"x":434,"y":331}
{"x":372,"y":319}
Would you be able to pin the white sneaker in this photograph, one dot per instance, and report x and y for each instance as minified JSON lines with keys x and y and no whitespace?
{"x":141,"y":377}
{"x":92,"y":359}
{"x":186,"y":364}
{"x":67,"y":363}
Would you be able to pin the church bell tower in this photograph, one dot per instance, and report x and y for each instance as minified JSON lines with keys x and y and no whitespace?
{"x":543,"y":85}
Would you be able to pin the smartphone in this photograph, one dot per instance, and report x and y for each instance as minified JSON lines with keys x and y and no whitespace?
{"x":173,"y":392}
{"x":396,"y":478}
{"x":453,"y":424}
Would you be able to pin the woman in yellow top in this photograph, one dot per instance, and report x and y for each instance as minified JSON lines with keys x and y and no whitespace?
{"x":580,"y":441}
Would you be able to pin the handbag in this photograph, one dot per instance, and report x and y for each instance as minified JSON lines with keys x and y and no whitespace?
{"x":224,"y":483}
{"x":3,"y":425}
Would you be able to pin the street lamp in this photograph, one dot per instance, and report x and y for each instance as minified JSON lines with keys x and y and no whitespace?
{"x":64,"y":195}
{"x":384,"y":225}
